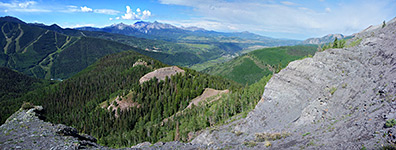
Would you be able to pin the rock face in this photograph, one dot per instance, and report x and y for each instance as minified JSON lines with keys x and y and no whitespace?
{"x":161,"y":73}
{"x":24,"y":130}
{"x":326,"y":39}
{"x":339,"y":99}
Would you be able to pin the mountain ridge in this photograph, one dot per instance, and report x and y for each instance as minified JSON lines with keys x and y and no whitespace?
{"x":168,"y":32}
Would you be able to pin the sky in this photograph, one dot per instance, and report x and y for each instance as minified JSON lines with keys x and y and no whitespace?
{"x":290,"y":19}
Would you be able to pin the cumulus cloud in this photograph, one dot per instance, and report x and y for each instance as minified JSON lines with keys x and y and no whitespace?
{"x":129,"y":15}
{"x":280,"y":20}
{"x":138,"y":15}
{"x":86,"y":9}
{"x":146,"y":14}
{"x":26,"y":4}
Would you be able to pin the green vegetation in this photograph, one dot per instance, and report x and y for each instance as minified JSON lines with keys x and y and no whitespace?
{"x":332,"y":90}
{"x":76,"y":101}
{"x":305,"y":134}
{"x":390,"y":123}
{"x":354,"y":43}
{"x":27,"y":105}
{"x":251,"y":67}
{"x":261,"y":137}
{"x":108,"y":72}
{"x":59,"y":54}
{"x":383,"y":24}
{"x":336,"y":44}
{"x":14,"y":85}
{"x":210,"y":63}
{"x":250,"y":144}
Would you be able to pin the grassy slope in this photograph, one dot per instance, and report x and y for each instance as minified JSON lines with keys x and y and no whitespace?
{"x":251,"y":67}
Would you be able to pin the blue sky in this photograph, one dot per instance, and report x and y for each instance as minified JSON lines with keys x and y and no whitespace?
{"x":293,"y":19}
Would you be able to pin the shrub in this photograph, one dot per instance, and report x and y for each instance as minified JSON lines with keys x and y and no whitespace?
{"x":332,"y":90}
{"x":260,"y":137}
{"x":27,"y":105}
{"x":383,"y":24}
{"x":267,"y":143}
{"x":305,"y":134}
{"x":250,"y":144}
{"x":390,"y":123}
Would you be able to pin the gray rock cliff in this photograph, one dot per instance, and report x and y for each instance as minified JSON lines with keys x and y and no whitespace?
{"x":339,"y":99}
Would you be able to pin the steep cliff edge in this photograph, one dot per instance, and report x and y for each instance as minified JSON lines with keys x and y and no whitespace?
{"x":339,"y":99}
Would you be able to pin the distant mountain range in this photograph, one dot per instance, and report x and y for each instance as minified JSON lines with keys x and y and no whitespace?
{"x":168,"y":32}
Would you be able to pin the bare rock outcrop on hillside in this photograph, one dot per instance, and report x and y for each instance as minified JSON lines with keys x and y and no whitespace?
{"x":339,"y":99}
{"x":161,"y":73}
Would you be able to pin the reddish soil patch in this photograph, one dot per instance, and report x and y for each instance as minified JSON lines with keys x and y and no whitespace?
{"x":124,"y":103}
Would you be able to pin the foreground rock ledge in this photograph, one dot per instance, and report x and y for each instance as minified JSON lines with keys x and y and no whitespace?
{"x":24,"y":130}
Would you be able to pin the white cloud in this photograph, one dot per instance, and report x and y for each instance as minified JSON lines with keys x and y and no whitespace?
{"x":146,"y":14}
{"x":86,"y":9}
{"x":106,"y":11}
{"x":110,"y":19}
{"x":328,"y":9}
{"x":288,"y":3}
{"x":129,"y":15}
{"x":138,"y":15}
{"x":79,"y":25}
{"x":26,"y":4}
{"x":307,"y":20}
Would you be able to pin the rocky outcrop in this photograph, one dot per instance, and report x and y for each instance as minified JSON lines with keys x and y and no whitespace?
{"x":339,"y":99}
{"x":25,"y":130}
{"x":161,"y":73}
{"x":323,"y":40}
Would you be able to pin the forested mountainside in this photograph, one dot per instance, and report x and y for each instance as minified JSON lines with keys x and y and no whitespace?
{"x":251,"y":67}
{"x":14,"y":85}
{"x":47,"y":54}
{"x":78,"y":101}
{"x":52,"y":52}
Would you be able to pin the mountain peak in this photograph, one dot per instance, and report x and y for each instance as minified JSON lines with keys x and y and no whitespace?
{"x":11,"y":19}
{"x":120,"y":26}
{"x":325,"y":39}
